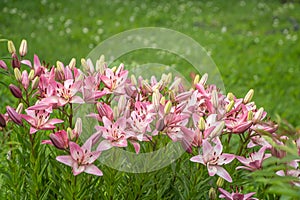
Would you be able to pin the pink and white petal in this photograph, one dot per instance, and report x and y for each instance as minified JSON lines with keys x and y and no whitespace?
{"x":247,"y":196}
{"x":26,"y":62}
{"x":106,"y":122}
{"x":207,"y":148}
{"x":243,"y":160}
{"x":225,"y":158}
{"x":223,"y":174}
{"x":47,"y":142}
{"x":87,"y":146}
{"x":243,"y":167}
{"x":36,"y":61}
{"x":212,"y":170}
{"x":121,"y":122}
{"x":136,"y":146}
{"x":76,"y":151}
{"x":198,"y":159}
{"x":77,"y":99}
{"x":66,"y":159}
{"x":120,"y":143}
{"x":77,"y":169}
{"x":224,"y":194}
{"x":90,"y":157}
{"x":55,"y":121}
{"x":29,"y":119}
{"x":32,"y":130}
{"x":219,"y":147}
{"x":68,"y":83}
{"x":104,"y":145}
{"x":92,"y":169}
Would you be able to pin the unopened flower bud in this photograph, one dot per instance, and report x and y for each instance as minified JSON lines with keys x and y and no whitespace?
{"x":84,"y":64}
{"x":18,"y":75}
{"x":203,"y":79}
{"x":31,"y":75}
{"x":23,"y":48}
{"x":16,"y":91}
{"x":11,"y":47}
{"x":14,"y":116}
{"x":133,"y":80}
{"x":60,"y":66}
{"x":100,"y":64}
{"x":220,"y":182}
{"x":248,"y":96}
{"x":72,"y":63}
{"x":230,"y":96}
{"x":155,"y":98}
{"x":172,"y":96}
{"x":147,"y":86}
{"x":196,"y":79}
{"x":162,"y":101}
{"x":70,"y":133}
{"x":2,"y":121}
{"x":250,"y":115}
{"x":35,"y":83}
{"x":15,"y":61}
{"x":3,"y":65}
{"x":201,"y":124}
{"x":258,"y":114}
{"x":212,"y":194}
{"x":217,"y":130}
{"x":168,"y":107}
{"x":160,"y":125}
{"x":20,"y":108}
{"x":230,"y":106}
{"x":114,"y":69}
{"x":215,"y":99}
{"x":25,"y":79}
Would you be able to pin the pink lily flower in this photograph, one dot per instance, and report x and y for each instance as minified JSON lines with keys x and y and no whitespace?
{"x":294,"y":172}
{"x":115,"y":81}
{"x":113,"y":133}
{"x":213,"y":158}
{"x":81,"y":159}
{"x":91,"y":92}
{"x":38,"y":68}
{"x":39,"y":120}
{"x":236,"y":195}
{"x":254,"y":162}
{"x":103,"y":110}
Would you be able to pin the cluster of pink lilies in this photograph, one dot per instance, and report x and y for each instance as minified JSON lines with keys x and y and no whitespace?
{"x":133,"y":110}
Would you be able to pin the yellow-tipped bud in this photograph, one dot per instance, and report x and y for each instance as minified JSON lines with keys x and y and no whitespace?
{"x":196,"y":79}
{"x":84,"y":64}
{"x":59,"y":66}
{"x":72,"y":63}
{"x":31,"y":75}
{"x":248,"y":96}
{"x":70,"y":132}
{"x":203,"y":79}
{"x":201,"y":124}
{"x":163,"y":100}
{"x":250,"y":115}
{"x":133,"y":79}
{"x":155,"y":98}
{"x":230,"y":96}
{"x":20,"y":108}
{"x":35,"y":83}
{"x":230,"y":106}
{"x":11,"y":47}
{"x":23,"y":48}
{"x":220,"y":182}
{"x":114,"y":69}
{"x":259,"y":114}
{"x":18,"y":74}
{"x":168,"y":107}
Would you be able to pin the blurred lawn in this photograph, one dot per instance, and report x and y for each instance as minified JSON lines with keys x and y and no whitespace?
{"x":255,"y":43}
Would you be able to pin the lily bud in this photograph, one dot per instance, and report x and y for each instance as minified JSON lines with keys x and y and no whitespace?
{"x":60,"y":139}
{"x":162,"y":101}
{"x":258,"y":114}
{"x":203,"y":79}
{"x":100,"y":64}
{"x":25,"y":80}
{"x":70,"y":133}
{"x":172,"y":96}
{"x":18,"y":75}
{"x":23,"y":48}
{"x":155,"y":98}
{"x":2,"y":121}
{"x":215,"y":99}
{"x":248,"y":96}
{"x":220,"y":182}
{"x":114,"y":69}
{"x":168,"y":107}
{"x":14,"y":116}
{"x":230,"y":106}
{"x":20,"y":108}
{"x":250,"y":115}
{"x":201,"y":124}
{"x":212,"y":194}
{"x":147,"y":86}
{"x":84,"y":64}
{"x":160,"y":125}
{"x":217,"y":130}
{"x":31,"y":75}
{"x":35,"y":83}
{"x":15,"y":61}
{"x":122,"y":103}
{"x":16,"y":91}
{"x":77,"y":129}
{"x":3,"y":65}
{"x":72,"y":63}
{"x":196,"y":79}
{"x":11,"y":47}
{"x":230,"y":96}
{"x":133,"y":80}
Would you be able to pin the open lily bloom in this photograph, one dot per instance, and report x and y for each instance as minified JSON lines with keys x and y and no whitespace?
{"x":236,"y":195}
{"x":213,"y":158}
{"x":81,"y":158}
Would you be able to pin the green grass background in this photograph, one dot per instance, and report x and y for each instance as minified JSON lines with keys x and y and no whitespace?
{"x":255,"y":44}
